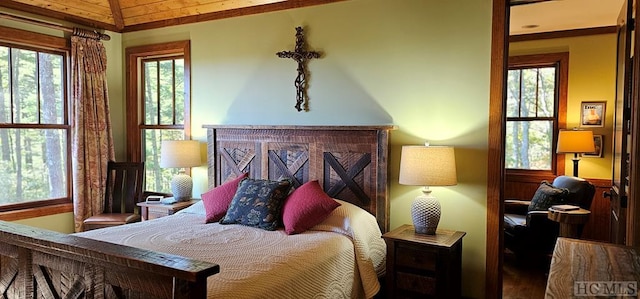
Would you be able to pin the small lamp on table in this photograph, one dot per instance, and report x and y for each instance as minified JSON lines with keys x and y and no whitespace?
{"x":180,"y":154}
{"x":427,"y":166}
{"x":576,"y":142}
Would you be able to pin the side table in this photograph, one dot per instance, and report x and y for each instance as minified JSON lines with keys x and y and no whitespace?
{"x":156,"y":210}
{"x":571,"y":222}
{"x":423,"y":266}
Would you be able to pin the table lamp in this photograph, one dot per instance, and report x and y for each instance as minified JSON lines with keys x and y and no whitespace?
{"x":180,"y":154}
{"x":427,"y":166}
{"x":576,"y":142}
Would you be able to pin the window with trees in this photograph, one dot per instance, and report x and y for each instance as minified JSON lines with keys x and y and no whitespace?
{"x":34,"y":127}
{"x":535,"y":108}
{"x":158,"y":100}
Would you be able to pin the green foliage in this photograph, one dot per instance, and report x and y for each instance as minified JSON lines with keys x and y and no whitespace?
{"x":157,"y":178}
{"x":26,"y":168}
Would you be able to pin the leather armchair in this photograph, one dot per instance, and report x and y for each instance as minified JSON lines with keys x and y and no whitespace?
{"x":531,"y":232}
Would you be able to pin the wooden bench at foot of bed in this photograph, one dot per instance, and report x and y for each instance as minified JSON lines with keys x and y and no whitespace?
{"x":37,"y":263}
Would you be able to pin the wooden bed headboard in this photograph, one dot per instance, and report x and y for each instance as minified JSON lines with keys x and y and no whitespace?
{"x":349,"y":162}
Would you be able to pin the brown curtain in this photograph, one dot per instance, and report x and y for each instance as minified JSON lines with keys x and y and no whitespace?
{"x":92,"y":141}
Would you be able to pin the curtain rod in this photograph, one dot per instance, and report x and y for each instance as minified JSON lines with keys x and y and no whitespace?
{"x":75,"y":31}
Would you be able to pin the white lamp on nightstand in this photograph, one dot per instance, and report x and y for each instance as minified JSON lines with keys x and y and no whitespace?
{"x":427,"y":166}
{"x":180,"y":154}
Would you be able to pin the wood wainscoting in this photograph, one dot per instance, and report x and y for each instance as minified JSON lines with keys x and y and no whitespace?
{"x":597,"y":228}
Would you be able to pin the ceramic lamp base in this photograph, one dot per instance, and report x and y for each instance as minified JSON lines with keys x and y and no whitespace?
{"x":425,"y":212}
{"x":181,"y":186}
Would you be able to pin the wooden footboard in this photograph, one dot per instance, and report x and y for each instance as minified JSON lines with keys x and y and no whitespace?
{"x":37,"y":263}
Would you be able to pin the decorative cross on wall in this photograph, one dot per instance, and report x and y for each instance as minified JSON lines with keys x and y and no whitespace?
{"x":301,"y":56}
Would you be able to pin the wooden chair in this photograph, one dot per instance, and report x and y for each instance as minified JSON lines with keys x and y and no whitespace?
{"x":124,"y":191}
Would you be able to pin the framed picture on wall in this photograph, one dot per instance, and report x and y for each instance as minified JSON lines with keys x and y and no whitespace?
{"x":592,"y":114}
{"x":598,"y":142}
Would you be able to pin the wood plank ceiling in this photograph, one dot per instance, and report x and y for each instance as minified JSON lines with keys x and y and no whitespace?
{"x":134,"y":15}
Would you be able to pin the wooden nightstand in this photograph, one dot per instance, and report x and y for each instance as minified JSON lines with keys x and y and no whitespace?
{"x":156,"y":210}
{"x":423,"y":266}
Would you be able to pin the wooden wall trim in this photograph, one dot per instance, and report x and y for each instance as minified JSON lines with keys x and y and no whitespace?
{"x":495,"y":172}
{"x":563,"y":34}
{"x":227,"y":14}
{"x":24,"y":37}
{"x":36,"y":212}
{"x":633,"y":210}
{"x":599,"y":224}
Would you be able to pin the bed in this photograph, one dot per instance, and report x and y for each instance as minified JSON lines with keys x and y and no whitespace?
{"x":178,"y":256}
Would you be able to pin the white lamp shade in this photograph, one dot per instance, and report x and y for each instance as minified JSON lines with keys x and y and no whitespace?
{"x":575,"y":141}
{"x":180,"y":153}
{"x":428,"y":166}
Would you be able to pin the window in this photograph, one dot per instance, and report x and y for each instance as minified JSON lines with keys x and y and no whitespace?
{"x":34,"y":125}
{"x":535,"y":110}
{"x":159,"y":95}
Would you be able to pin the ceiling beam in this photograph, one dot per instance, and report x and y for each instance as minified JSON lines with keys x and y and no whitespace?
{"x":563,"y":33}
{"x":116,"y":12}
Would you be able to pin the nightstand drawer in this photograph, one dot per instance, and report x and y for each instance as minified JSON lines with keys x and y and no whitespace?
{"x":423,"y":266}
{"x":415,"y":283}
{"x":417,"y":257}
{"x":153,"y":214}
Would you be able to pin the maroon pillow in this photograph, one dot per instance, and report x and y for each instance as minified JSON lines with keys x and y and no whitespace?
{"x":307,"y":206}
{"x":216,"y":201}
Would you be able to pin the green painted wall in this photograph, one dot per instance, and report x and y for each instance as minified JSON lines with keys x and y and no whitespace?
{"x":59,"y":222}
{"x":592,"y":74}
{"x":422,"y":65}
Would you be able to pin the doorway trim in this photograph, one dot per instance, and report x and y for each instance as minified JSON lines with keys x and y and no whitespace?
{"x":495,"y":172}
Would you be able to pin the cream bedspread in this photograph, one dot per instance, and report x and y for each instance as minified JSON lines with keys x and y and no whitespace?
{"x":339,"y":258}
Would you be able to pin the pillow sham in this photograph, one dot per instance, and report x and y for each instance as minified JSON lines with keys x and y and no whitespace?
{"x":547,"y":195}
{"x":307,"y":206}
{"x":257,"y":203}
{"x":216,"y":201}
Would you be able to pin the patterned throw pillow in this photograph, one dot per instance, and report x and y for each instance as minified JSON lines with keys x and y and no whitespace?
{"x":258,"y":203}
{"x":217,"y":200}
{"x":307,"y":206}
{"x":546,"y":196}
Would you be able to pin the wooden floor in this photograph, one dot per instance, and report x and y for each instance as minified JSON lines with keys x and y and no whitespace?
{"x":524,"y":279}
